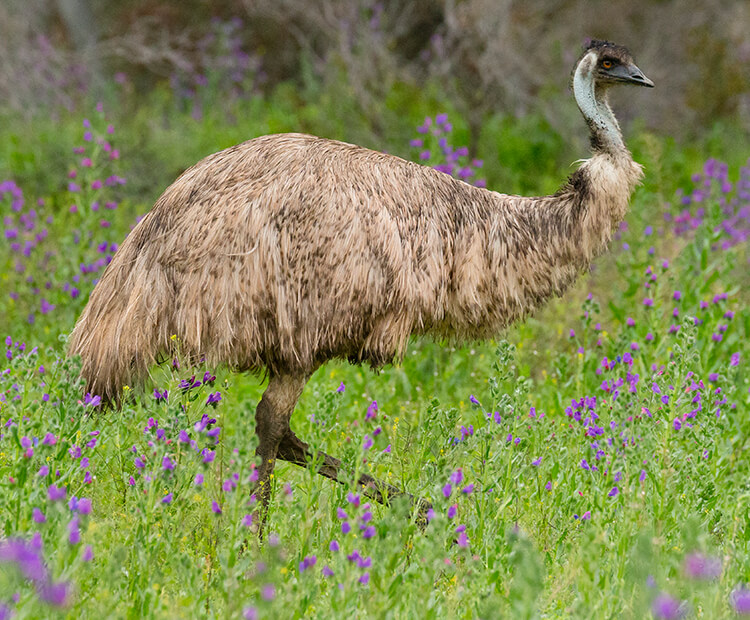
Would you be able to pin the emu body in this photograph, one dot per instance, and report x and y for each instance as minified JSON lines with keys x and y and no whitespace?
{"x":289,"y":250}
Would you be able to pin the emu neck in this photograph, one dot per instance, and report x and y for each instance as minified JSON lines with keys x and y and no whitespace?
{"x":592,"y":101}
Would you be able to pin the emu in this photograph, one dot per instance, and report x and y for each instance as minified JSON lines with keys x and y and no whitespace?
{"x":286,"y":251}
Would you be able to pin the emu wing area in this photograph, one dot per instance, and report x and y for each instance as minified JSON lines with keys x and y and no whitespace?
{"x":286,"y":251}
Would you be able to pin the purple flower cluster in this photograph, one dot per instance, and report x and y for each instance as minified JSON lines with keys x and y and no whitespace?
{"x":164,"y":454}
{"x":732,"y":221}
{"x":27,"y":557}
{"x":433,"y":146}
{"x":41,"y":282}
{"x":220,"y":65}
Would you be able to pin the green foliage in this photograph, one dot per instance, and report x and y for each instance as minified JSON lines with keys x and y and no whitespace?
{"x":581,"y":466}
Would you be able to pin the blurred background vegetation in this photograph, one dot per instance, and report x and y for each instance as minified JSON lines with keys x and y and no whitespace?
{"x":184,"y":78}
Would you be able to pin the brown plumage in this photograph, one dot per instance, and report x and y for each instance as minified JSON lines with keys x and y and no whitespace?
{"x":286,"y":251}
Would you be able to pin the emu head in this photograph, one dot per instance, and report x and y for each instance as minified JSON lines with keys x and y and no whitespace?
{"x":607,"y":64}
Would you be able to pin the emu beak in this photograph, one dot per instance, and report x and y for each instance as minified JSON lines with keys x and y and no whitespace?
{"x":633,"y":75}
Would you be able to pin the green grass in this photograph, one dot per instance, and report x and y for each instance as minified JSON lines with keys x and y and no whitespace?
{"x":518,"y":537}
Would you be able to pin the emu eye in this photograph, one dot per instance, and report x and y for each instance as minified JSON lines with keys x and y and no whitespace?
{"x":607,"y":64}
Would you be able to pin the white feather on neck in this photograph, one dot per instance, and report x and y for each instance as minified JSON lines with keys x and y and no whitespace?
{"x":594,"y":106}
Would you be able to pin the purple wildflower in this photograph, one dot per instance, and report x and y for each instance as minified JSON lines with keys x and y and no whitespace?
{"x":25,"y":556}
{"x":268,"y":592}
{"x":308,"y":562}
{"x":741,"y":600}
{"x":699,"y":566}
{"x":92,"y":401}
{"x":74,"y":534}
{"x":84,"y":506}
{"x":189,"y":384}
{"x":54,"y":593}
{"x":666,"y":607}
{"x":55,"y":493}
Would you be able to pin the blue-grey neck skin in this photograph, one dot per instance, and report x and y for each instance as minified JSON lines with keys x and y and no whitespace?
{"x":592,"y":101}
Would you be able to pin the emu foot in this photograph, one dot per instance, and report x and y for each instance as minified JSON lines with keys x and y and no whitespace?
{"x":293,"y":450}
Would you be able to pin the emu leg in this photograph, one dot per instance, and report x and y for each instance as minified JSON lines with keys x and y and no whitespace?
{"x":271,"y":425}
{"x":293,"y":450}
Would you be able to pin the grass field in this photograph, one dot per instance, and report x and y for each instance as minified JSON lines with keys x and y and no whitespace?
{"x":592,"y":462}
